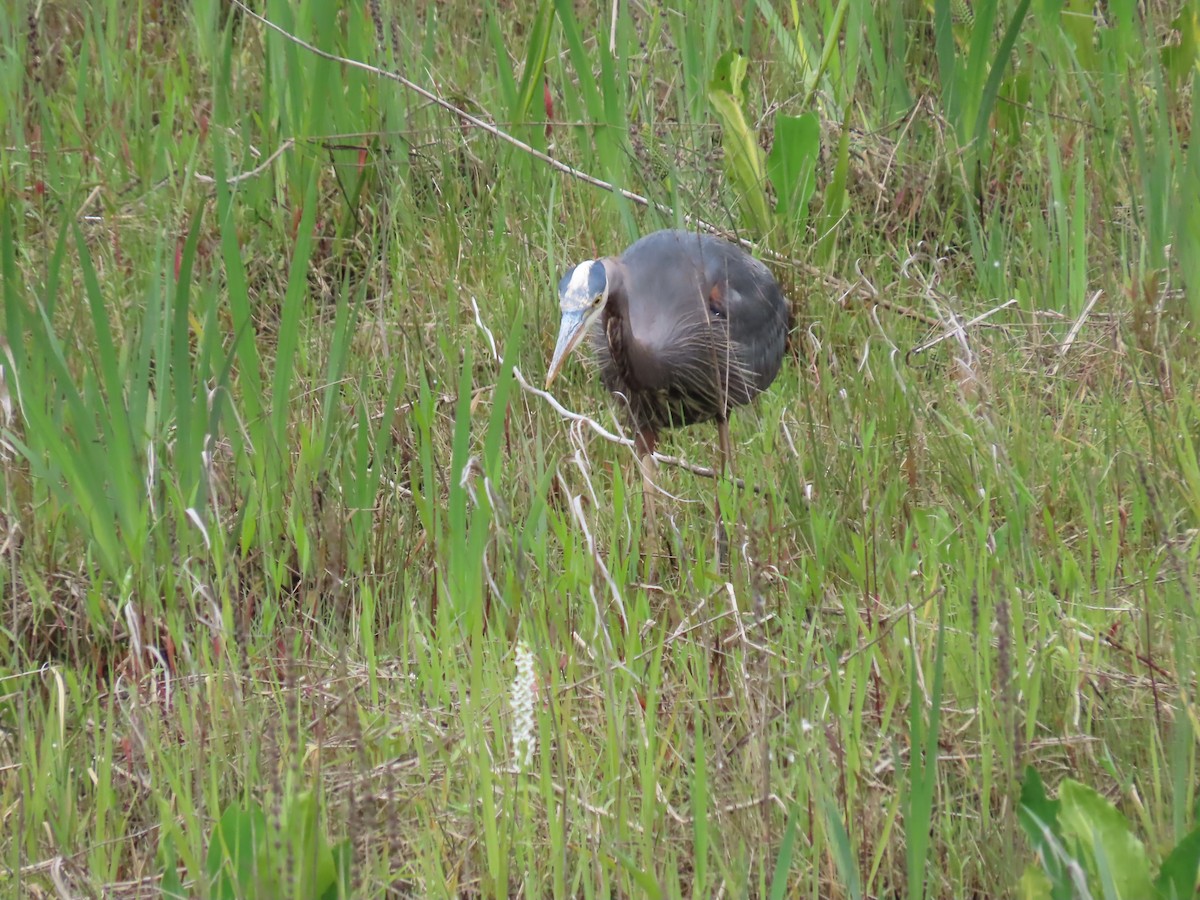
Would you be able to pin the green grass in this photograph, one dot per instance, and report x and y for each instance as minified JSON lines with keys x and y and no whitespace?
{"x":275,"y":516}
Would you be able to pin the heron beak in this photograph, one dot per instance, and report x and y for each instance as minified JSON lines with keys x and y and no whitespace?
{"x":570,"y":332}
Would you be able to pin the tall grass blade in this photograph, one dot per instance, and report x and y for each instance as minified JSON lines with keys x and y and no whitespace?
{"x":116,"y":430}
{"x":742,"y":153}
{"x":783,"y":860}
{"x":949,"y":72}
{"x":835,"y":199}
{"x":792,"y":47}
{"x":290,"y":317}
{"x":700,"y":836}
{"x":833,"y":39}
{"x":1000,"y":64}
{"x":843,"y":851}
{"x":535,"y":61}
{"x":187,"y":418}
{"x":923,"y":739}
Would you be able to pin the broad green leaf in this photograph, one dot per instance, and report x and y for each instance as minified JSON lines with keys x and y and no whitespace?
{"x":171,"y":886}
{"x":504,"y":74}
{"x":1035,"y":800}
{"x":949,"y":69}
{"x":1097,"y":825}
{"x":343,"y":856}
{"x":1034,"y":885}
{"x":492,"y":444}
{"x":580,"y":59}
{"x":1177,"y":877}
{"x":301,"y":828}
{"x":792,"y":166}
{"x":231,"y":851}
{"x":1038,"y":815}
{"x":187,"y":417}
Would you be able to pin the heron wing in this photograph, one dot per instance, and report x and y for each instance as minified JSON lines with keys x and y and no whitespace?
{"x":755,"y":309}
{"x":703,"y":315}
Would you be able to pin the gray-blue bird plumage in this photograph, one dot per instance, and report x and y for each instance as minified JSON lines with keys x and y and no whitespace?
{"x":684,"y":326}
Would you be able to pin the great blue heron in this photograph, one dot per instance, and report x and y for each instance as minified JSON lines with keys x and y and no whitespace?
{"x":685,"y":326}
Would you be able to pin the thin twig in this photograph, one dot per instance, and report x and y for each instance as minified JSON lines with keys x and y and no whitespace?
{"x":958,"y":328}
{"x":834,"y":284}
{"x":1076,"y":327}
{"x":885,"y":627}
{"x":867,"y":293}
{"x":480,"y":123}
{"x":257,"y":170}
{"x":581,"y":519}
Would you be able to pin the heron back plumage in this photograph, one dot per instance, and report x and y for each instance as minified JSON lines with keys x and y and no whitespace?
{"x":693,"y":327}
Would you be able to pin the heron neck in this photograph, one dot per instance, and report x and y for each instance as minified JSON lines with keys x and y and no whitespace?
{"x":621,"y":343}
{"x":614,"y":273}
{"x":617,"y":307}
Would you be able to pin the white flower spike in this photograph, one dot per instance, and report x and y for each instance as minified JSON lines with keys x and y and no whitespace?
{"x":524,"y":724}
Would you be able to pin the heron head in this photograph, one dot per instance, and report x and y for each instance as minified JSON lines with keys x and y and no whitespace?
{"x":582,"y":294}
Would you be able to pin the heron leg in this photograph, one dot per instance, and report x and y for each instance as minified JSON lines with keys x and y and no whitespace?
{"x":722,"y":539}
{"x":645,"y":444}
{"x":726,"y":446}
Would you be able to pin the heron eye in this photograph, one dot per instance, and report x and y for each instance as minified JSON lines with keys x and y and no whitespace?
{"x":716,"y":302}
